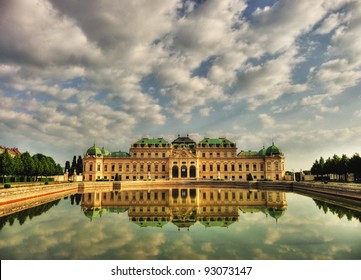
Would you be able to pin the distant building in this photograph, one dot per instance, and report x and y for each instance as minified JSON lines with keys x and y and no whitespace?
{"x":210,"y":159}
{"x":12,"y":151}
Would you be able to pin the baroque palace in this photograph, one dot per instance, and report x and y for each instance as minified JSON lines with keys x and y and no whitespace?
{"x":184,"y":159}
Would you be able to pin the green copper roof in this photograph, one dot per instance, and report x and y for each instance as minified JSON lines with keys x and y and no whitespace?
{"x":248,"y":153}
{"x":105,"y":152}
{"x":119,"y":154}
{"x":92,"y":213}
{"x":216,"y":142}
{"x":273,"y":150}
{"x":184,"y":141}
{"x":217,"y":223}
{"x":92,"y":151}
{"x":151,"y":141}
{"x":262,"y":152}
{"x":251,"y":209}
{"x":151,"y":223}
{"x":276,"y":213}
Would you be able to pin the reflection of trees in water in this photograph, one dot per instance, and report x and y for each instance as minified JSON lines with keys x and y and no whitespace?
{"x":75,"y":198}
{"x":337,"y":210}
{"x":22,"y":216}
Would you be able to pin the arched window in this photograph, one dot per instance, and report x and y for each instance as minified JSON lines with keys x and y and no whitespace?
{"x":184,"y":171}
{"x":192,"y":171}
{"x":175,"y":171}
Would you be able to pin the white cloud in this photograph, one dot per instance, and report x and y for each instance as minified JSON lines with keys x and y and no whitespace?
{"x":84,"y":69}
{"x":358,"y":113}
{"x":266,"y":120}
{"x":206,"y":111}
{"x":330,"y":23}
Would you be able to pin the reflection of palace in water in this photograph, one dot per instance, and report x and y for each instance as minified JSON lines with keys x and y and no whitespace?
{"x":184,"y":206}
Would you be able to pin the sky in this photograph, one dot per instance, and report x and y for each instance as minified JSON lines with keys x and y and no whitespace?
{"x":75,"y":73}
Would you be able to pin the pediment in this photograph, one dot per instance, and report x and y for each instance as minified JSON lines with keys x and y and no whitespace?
{"x":183,"y":153}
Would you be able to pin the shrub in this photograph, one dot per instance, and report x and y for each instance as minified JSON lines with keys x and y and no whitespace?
{"x":7,"y":186}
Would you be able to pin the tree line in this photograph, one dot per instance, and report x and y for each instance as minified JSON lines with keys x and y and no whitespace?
{"x":76,"y":165}
{"x":340,"y":166}
{"x":25,"y":167}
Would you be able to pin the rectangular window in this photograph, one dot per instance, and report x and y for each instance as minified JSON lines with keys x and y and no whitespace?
{"x":163,"y":167}
{"x":91,"y":167}
{"x":239,"y":167}
{"x":254,"y":167}
{"x":203,"y":154}
{"x":156,"y":168}
{"x":218,"y":154}
{"x":141,"y":167}
{"x":211,"y":167}
{"x":262,"y":167}
{"x":113,"y":167}
{"x":218,"y":167}
{"x":134,"y":167}
{"x":149,"y":166}
{"x":247,"y":167}
{"x":203,"y":167}
{"x":105,"y":167}
{"x":233,"y":167}
{"x":225,"y":167}
{"x":120,"y":168}
{"x":163,"y":155}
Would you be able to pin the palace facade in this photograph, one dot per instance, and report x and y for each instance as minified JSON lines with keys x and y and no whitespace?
{"x":182,"y":159}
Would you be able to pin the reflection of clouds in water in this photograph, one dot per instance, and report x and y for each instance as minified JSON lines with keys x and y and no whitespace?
{"x":207,"y":247}
{"x":184,"y":248}
{"x":65,"y":233}
{"x":272,"y":237}
{"x":260,"y":254}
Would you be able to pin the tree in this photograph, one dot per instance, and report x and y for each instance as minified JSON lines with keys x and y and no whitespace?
{"x":73,"y":166}
{"x":67,"y":166}
{"x":316,"y":168}
{"x":59,"y":170}
{"x":355,"y":166}
{"x":45,"y":167}
{"x":28,"y":164}
{"x":79,"y":165}
{"x":322,"y":166}
{"x":343,"y":166}
{"x":18,"y":165}
{"x":38,"y":170}
{"x":6,"y":164}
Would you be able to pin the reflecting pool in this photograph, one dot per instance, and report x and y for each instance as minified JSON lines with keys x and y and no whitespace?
{"x":181,"y":223}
